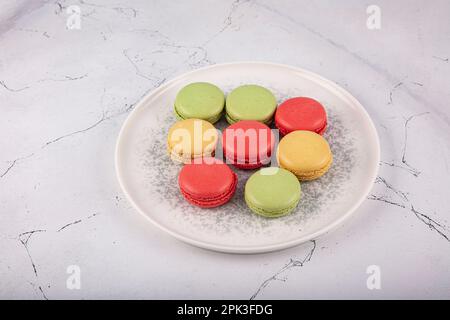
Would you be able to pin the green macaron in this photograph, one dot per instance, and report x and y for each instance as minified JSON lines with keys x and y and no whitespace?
{"x":250,"y":102}
{"x":272,"y":192}
{"x":200,"y":100}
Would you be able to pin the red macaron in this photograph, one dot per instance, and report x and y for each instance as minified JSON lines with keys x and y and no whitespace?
{"x":301,"y":113}
{"x":207,"y":182}
{"x":247,"y":144}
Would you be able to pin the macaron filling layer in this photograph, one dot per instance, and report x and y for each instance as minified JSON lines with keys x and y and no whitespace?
{"x":213,"y":119}
{"x":188,"y":158}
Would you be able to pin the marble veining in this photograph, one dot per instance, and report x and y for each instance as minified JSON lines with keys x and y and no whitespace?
{"x":65,"y":93}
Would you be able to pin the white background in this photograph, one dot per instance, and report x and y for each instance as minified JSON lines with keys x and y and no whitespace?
{"x":64,"y":95}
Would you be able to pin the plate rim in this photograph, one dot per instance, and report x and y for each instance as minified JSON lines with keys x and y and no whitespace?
{"x":247,"y":249}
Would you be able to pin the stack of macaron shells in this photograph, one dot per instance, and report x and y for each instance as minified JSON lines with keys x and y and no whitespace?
{"x":248,"y":143}
{"x":272,"y":192}
{"x":305,"y":153}
{"x":250,"y":102}
{"x":181,"y":145}
{"x":200,"y":100}
{"x":207,"y":183}
{"x":301,"y":113}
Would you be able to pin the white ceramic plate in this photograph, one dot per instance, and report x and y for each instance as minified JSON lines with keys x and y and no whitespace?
{"x":149,"y":179}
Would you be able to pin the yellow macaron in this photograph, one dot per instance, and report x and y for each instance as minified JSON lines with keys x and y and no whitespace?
{"x":191,"y":138}
{"x":305,"y":153}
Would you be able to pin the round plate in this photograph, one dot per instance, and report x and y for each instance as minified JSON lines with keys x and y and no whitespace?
{"x":149,"y":178}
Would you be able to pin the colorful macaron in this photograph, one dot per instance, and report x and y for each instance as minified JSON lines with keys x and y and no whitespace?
{"x":200,"y":100}
{"x":272,"y":192}
{"x":304,"y":153}
{"x":250,"y":102}
{"x":301,"y":113}
{"x":208,"y":183}
{"x":247,"y":144}
{"x":191,"y":138}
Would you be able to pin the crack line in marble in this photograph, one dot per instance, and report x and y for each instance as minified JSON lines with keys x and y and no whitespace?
{"x":14,"y":162}
{"x":25,"y":237}
{"x":138,"y":71}
{"x":228,"y":21}
{"x":291,"y":264}
{"x":404,"y":165}
{"x":120,"y":10}
{"x":103,"y":118}
{"x":392,"y":91}
{"x":375,"y":67}
{"x":440,"y":58}
{"x":75,"y":222}
{"x":166,"y":42}
{"x":383,"y":199}
{"x":28,"y":86}
{"x":60,"y":8}
{"x":127,"y":108}
{"x":65,"y":78}
{"x":405,"y":143}
{"x":3,"y":84}
{"x":433,"y":224}
{"x":389,"y":186}
{"x":392,"y":164}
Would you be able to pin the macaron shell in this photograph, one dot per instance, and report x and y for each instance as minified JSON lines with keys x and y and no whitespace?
{"x":207,"y":183}
{"x":211,"y":120}
{"x":272,"y":192}
{"x":305,"y":153}
{"x":250,"y":102}
{"x":186,"y":158}
{"x":301,"y":113}
{"x":211,"y":203}
{"x":200,"y":100}
{"x":271,"y":214}
{"x":215,"y":118}
{"x":191,"y":138}
{"x":312,"y":175}
{"x":246,"y":166}
{"x":232,"y":121}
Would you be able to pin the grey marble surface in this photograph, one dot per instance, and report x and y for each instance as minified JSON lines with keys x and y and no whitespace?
{"x":64,"y":94}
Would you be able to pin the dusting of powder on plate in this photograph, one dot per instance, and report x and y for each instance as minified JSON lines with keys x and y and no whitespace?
{"x":161,"y":180}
